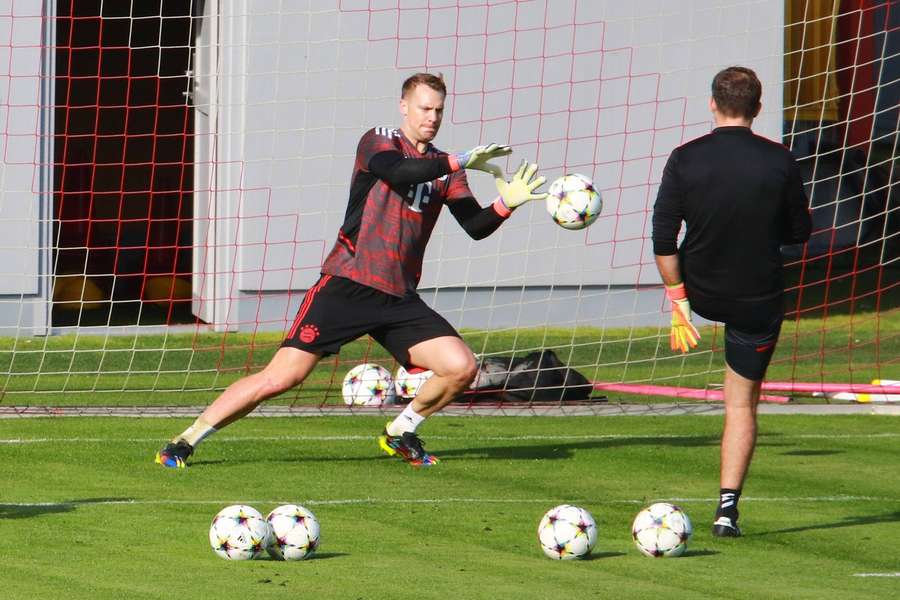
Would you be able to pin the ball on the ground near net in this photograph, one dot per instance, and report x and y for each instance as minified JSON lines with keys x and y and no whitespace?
{"x":295,"y":532}
{"x":77,"y":292}
{"x":239,"y":532}
{"x":368,"y":384}
{"x":164,"y":289}
{"x":407,"y":383}
{"x":662,"y":530}
{"x":567,"y":532}
{"x":573,"y":202}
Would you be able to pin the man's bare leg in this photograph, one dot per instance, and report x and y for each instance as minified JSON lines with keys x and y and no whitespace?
{"x":289,"y":367}
{"x":738,"y":443}
{"x":454,"y":368}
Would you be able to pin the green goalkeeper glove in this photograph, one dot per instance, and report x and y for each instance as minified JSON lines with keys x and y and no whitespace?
{"x":683,"y":335}
{"x":477,"y":158}
{"x":520,"y":188}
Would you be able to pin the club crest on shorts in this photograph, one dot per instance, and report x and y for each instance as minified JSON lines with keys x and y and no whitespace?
{"x":308,"y":333}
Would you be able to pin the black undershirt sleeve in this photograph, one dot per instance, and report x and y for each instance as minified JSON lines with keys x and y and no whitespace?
{"x":394,"y":169}
{"x":478,"y":222}
{"x":667,"y":212}
{"x":798,"y":224}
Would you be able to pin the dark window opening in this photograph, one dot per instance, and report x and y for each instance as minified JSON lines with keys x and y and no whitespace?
{"x":123,"y":163}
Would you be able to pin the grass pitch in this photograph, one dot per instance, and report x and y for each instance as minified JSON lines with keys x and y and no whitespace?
{"x":85,"y":513}
{"x":188,"y":369}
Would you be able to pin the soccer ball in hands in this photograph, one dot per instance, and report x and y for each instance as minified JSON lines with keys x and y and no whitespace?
{"x":407,"y":384}
{"x":295,"y":532}
{"x":573,"y":202}
{"x":368,"y":384}
{"x":239,"y":532}
{"x":567,"y":532}
{"x":661,"y":530}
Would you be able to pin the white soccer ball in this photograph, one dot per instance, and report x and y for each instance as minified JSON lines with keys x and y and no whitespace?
{"x":368,"y":384}
{"x":573,"y":202}
{"x":662,"y":530}
{"x":295,"y":532}
{"x":567,"y":532}
{"x":239,"y":532}
{"x":407,"y":384}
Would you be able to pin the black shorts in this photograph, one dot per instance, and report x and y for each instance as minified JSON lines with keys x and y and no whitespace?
{"x":337,"y":310}
{"x":751,"y":330}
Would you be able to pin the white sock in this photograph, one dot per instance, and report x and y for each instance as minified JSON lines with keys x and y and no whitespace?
{"x":197,"y":432}
{"x":408,"y":420}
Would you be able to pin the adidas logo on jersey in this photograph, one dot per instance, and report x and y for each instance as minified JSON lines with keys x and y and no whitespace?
{"x":387,"y":131}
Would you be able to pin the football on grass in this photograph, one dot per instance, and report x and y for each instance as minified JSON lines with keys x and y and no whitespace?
{"x":295,"y":532}
{"x":662,"y":530}
{"x":567,"y":532}
{"x":408,"y":382}
{"x":239,"y":532}
{"x":368,"y":384}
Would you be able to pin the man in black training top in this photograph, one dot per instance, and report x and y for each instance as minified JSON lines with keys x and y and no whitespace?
{"x":368,"y":284}
{"x":741,"y":197}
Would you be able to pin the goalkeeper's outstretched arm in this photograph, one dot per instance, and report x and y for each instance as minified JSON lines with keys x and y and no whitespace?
{"x":397,"y":170}
{"x":481,"y":222}
{"x":478,"y":222}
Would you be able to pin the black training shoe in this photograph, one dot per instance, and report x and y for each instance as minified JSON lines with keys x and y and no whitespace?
{"x":174,"y":455}
{"x":408,"y":447}
{"x":725,"y":527}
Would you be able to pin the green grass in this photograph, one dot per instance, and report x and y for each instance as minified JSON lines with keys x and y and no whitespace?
{"x":190,"y":368}
{"x":86,"y":514}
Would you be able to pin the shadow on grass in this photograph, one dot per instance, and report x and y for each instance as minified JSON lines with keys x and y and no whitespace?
{"x":522,"y":452}
{"x":811,"y":452}
{"x":891,"y":517}
{"x":207,"y":463}
{"x":560,"y":451}
{"x":698,"y":553}
{"x":602,"y":555}
{"x":27,"y":511}
{"x":316,"y":556}
{"x":546,"y":451}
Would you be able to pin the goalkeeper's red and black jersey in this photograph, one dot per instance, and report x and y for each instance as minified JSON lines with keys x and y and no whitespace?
{"x":393,"y":207}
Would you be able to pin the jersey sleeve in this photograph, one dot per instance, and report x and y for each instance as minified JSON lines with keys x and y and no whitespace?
{"x":374,"y":141}
{"x":458,"y":187}
{"x":380,"y":154}
{"x":799,"y":222}
{"x":668,"y":212}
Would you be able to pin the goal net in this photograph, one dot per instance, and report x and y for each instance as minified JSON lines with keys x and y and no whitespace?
{"x":174,"y":173}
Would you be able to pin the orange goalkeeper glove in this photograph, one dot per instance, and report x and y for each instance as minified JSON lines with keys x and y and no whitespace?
{"x":684,"y":335}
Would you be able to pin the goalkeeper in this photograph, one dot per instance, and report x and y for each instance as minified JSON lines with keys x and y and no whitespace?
{"x":368,"y":282}
{"x":741,"y":196}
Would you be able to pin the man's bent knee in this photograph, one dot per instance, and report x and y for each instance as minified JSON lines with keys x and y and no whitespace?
{"x":462,"y":373}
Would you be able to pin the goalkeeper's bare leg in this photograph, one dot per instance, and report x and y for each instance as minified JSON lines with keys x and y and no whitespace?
{"x":454,"y":368}
{"x":288,"y":368}
{"x":738,"y":443}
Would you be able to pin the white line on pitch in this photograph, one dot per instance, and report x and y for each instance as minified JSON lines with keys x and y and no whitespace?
{"x":876,"y":574}
{"x":340,"y":501}
{"x":494,"y":438}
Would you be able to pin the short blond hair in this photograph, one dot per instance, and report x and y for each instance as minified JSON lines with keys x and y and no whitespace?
{"x":435,"y":82}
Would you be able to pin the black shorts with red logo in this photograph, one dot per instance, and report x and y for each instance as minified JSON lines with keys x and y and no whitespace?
{"x":337,"y":310}
{"x":751,"y":330}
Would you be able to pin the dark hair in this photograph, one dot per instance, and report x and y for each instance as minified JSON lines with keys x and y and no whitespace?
{"x":737,"y":91}
{"x":435,"y":82}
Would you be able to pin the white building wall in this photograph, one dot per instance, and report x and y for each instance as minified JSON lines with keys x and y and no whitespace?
{"x":26,"y":130}
{"x":630,"y":78}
